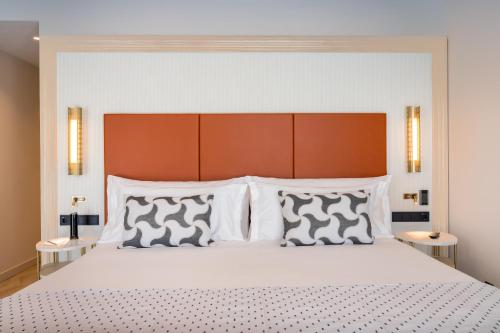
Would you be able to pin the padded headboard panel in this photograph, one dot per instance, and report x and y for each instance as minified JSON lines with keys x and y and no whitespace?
{"x":151,"y":146}
{"x":340,"y":145}
{"x":246,"y":144}
{"x":218,"y":146}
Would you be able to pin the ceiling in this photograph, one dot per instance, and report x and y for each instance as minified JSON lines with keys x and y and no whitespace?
{"x":16,"y":39}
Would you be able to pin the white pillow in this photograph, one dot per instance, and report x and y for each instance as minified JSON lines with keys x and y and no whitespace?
{"x":230,"y":206}
{"x":266,"y":216}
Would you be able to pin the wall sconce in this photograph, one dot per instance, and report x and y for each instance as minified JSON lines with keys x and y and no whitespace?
{"x":413,"y":138}
{"x":75,"y":141}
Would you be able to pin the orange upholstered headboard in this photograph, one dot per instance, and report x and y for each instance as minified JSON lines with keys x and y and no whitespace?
{"x":218,"y":146}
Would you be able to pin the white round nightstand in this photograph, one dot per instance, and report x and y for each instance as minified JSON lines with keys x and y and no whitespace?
{"x":56,"y":246}
{"x":422,"y":238}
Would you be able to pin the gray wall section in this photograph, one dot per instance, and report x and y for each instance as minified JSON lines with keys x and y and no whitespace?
{"x":474,"y":73}
{"x":230,"y":17}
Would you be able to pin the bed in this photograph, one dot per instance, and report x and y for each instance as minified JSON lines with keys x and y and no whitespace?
{"x":239,"y":287}
{"x":252,"y":286}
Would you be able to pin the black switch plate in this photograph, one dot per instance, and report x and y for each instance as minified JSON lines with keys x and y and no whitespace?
{"x":82,"y":220}
{"x":410,"y":216}
{"x":424,"y":197}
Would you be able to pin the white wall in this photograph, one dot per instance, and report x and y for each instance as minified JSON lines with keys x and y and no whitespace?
{"x":242,"y":82}
{"x":474,"y":75}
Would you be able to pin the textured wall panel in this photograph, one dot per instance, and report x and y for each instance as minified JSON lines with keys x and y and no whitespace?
{"x":241,"y":82}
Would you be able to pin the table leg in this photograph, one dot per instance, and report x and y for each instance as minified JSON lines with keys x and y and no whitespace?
{"x":38,"y":264}
{"x":435,"y":251}
{"x":455,"y":255}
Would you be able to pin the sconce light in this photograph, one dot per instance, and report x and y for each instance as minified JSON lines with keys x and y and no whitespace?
{"x":413,"y":138}
{"x":75,"y":141}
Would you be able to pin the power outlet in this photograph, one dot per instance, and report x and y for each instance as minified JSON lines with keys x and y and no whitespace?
{"x":82,"y":220}
{"x":410,"y":216}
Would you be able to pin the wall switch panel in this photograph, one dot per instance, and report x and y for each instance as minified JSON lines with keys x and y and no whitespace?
{"x":82,"y":220}
{"x":424,"y":197}
{"x":410,"y":216}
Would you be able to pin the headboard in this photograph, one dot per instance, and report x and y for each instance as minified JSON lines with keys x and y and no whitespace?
{"x":218,"y":146}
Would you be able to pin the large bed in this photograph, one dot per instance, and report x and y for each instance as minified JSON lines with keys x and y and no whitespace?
{"x":256,"y":285}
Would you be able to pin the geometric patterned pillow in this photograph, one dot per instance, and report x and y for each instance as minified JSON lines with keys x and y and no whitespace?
{"x":325,"y":219}
{"x":167,"y":221}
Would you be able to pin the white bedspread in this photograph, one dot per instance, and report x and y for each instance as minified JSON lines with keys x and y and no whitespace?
{"x":262,"y":264}
{"x":386,"y":287}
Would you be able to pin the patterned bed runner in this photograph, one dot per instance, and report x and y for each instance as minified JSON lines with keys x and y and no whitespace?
{"x":429,"y":307}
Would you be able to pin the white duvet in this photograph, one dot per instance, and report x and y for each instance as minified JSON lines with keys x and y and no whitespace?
{"x":254,"y":264}
{"x":257,"y":287}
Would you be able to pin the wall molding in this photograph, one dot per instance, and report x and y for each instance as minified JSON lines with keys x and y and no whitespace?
{"x":17,"y":269}
{"x":50,"y":46}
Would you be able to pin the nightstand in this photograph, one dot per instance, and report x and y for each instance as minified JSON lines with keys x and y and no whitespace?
{"x":422,"y":238}
{"x":59,"y":245}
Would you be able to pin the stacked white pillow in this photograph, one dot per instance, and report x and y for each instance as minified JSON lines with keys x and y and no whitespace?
{"x":230,"y":204}
{"x":234,"y":197}
{"x":266,"y":215}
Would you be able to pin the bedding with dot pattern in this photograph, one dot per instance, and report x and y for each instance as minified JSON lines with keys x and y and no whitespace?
{"x":417,"y":307}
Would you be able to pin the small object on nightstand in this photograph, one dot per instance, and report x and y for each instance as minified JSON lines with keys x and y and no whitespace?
{"x":56,"y":246}
{"x":434,"y":235}
{"x":73,"y":227}
{"x":424,"y":238}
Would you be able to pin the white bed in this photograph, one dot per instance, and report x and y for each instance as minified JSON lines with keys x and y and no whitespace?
{"x":251,"y":286}
{"x":255,"y":287}
{"x":249,"y":264}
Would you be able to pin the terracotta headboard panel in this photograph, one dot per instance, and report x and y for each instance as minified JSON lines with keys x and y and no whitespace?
{"x":340,"y":145}
{"x":218,"y":146}
{"x":247,"y":144}
{"x":151,"y":146}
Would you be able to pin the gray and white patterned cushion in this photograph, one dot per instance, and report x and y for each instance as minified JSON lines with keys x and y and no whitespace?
{"x":325,"y":219}
{"x":167,"y":221}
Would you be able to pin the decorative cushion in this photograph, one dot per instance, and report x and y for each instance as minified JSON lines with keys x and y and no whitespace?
{"x":267,"y":218}
{"x":325,"y":219}
{"x":167,"y":221}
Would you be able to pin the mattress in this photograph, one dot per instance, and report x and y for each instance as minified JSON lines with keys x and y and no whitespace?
{"x":255,"y":287}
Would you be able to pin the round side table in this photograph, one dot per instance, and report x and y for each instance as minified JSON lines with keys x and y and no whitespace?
{"x":422,"y":238}
{"x":56,"y":246}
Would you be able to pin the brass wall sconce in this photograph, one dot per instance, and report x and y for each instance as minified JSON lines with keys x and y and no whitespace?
{"x":75,"y":141}
{"x":413,"y":156}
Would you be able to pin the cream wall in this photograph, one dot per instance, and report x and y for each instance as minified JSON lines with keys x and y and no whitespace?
{"x":238,"y":83}
{"x":472,"y":28}
{"x":474,"y":77}
{"x":19,"y":164}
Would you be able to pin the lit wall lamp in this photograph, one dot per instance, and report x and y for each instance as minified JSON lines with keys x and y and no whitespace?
{"x":75,"y":141}
{"x":413,"y":138}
